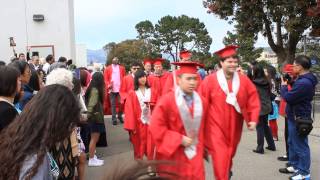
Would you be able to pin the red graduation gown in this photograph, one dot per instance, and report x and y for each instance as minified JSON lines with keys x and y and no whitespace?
{"x":224,"y":123}
{"x":127,"y":85}
{"x":283,"y":104}
{"x":157,"y":83}
{"x":140,"y":137}
{"x":168,"y":86}
{"x":167,"y":129}
{"x":107,"y":80}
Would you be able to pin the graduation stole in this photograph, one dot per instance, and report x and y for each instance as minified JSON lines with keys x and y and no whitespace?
{"x":231,"y":96}
{"x":191,"y":123}
{"x":145,"y":109}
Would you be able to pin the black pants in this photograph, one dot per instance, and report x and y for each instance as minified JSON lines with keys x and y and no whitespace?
{"x":85,"y":135}
{"x":286,"y":135}
{"x":115,"y":96}
{"x":264,"y":131}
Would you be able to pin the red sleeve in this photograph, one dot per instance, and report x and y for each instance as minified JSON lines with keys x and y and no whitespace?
{"x":253,"y":102}
{"x":199,"y":81}
{"x":130,"y":112}
{"x":122,"y":72}
{"x":123,"y":89}
{"x":168,"y":85}
{"x":203,"y":88}
{"x":154,"y":88}
{"x":282,"y":107}
{"x":166,"y":141}
{"x":107,"y":76}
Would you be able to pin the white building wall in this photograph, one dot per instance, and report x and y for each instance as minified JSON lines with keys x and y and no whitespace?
{"x":16,"y":18}
{"x":81,"y":55}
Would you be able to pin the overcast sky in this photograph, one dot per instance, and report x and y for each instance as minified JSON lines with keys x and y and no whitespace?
{"x":98,"y":22}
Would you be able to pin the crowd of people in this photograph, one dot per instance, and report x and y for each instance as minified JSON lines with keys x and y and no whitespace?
{"x":52,"y":115}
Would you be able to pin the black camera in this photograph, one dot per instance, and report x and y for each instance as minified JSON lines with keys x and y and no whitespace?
{"x":286,"y":77}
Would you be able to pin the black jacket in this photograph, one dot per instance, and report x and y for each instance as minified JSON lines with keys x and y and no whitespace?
{"x":264,"y":90}
{"x":7,"y":114}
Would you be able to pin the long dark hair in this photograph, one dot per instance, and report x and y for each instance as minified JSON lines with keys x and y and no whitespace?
{"x":20,"y":65}
{"x":76,"y":86}
{"x":34,"y":82}
{"x":139,"y":169}
{"x":258,"y":72}
{"x":48,"y":118}
{"x":98,"y":83}
{"x":139,"y":74}
{"x":83,"y":77}
{"x":8,"y":80}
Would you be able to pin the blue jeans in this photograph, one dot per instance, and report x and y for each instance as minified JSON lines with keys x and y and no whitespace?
{"x":299,"y":151}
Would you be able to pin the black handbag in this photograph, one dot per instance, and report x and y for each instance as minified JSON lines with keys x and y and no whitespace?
{"x":304,"y":126}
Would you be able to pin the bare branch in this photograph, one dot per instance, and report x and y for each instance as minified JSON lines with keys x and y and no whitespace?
{"x":267,"y":24}
{"x":279,"y":33}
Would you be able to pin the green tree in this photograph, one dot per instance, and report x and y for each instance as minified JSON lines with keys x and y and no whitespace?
{"x":146,"y":33}
{"x":129,"y":51}
{"x":247,"y":51}
{"x":282,"y":22}
{"x":312,"y":49}
{"x":172,"y":34}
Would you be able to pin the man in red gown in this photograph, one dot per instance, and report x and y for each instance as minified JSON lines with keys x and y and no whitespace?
{"x":147,"y":65}
{"x":171,"y":83}
{"x":113,"y":75}
{"x":177,"y":126}
{"x":158,"y":78}
{"x":127,"y":82}
{"x":232,"y":98}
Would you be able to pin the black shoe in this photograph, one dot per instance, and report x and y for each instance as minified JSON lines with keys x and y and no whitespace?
{"x":230,"y":174}
{"x":287,"y":170}
{"x":270,"y":148}
{"x":114,"y":123}
{"x":121,"y":120}
{"x":258,"y":151}
{"x":283,"y":158}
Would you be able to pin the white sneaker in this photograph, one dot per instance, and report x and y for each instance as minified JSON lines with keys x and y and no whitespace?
{"x":99,"y":160}
{"x":291,"y":169}
{"x":93,"y":162}
{"x":300,"y":177}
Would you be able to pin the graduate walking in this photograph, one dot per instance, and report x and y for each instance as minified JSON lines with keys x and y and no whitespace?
{"x":232,"y":98}
{"x":177,"y":126}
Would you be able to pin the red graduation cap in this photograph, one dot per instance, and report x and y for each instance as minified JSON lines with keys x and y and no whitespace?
{"x":187,"y":67}
{"x":147,"y":61}
{"x":158,"y":61}
{"x":288,"y":68}
{"x":227,"y":51}
{"x":185,"y":54}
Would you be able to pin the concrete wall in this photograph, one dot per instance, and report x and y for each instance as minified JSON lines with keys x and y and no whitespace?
{"x":81,"y":55}
{"x":16,"y":19}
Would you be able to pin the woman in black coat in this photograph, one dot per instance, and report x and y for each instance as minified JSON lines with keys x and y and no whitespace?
{"x":263,"y":86}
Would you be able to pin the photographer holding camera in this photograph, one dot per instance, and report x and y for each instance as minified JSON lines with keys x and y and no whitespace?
{"x":299,"y":117}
